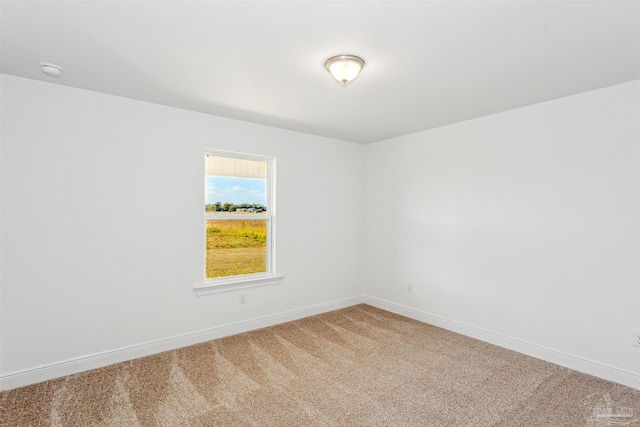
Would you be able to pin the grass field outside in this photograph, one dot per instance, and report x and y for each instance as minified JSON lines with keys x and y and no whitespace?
{"x":236,"y":247}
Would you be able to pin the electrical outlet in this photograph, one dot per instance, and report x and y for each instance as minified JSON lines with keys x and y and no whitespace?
{"x":243,"y":297}
{"x":409,"y":287}
{"x":636,"y":338}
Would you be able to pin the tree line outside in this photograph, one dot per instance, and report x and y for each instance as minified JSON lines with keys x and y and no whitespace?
{"x":231,"y":207}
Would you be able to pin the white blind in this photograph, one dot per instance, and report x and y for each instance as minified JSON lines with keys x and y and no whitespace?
{"x":241,"y":168}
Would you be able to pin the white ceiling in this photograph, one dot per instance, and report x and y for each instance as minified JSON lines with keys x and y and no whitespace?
{"x":428,"y":63}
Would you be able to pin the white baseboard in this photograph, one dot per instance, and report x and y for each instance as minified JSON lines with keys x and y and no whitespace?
{"x":72,"y":366}
{"x":570,"y":361}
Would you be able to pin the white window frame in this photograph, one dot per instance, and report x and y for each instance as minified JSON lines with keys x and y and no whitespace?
{"x":244,"y":281}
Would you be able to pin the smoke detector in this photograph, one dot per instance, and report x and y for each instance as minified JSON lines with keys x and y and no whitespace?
{"x":52,"y":70}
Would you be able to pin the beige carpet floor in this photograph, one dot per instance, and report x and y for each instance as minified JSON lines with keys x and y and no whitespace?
{"x":359,"y":366}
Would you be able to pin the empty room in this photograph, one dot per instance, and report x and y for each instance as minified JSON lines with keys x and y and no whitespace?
{"x":320,"y":213}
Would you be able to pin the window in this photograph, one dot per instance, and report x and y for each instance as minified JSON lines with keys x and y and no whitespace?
{"x":239,"y":222}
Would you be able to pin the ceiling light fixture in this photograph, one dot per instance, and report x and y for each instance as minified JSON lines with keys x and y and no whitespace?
{"x":344,"y":68}
{"x":52,"y":70}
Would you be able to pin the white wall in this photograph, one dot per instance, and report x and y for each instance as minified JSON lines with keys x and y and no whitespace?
{"x":102,"y":219}
{"x":524,"y":224}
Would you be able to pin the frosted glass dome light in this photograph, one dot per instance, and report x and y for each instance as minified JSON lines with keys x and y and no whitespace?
{"x":344,"y":68}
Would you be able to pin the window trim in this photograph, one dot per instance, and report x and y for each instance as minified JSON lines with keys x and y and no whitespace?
{"x":238,"y":283}
{"x":244,"y":281}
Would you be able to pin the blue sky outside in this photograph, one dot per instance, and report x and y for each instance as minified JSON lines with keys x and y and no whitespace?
{"x":228,"y":189}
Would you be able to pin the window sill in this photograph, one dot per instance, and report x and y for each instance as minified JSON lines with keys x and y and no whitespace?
{"x":236,"y":283}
